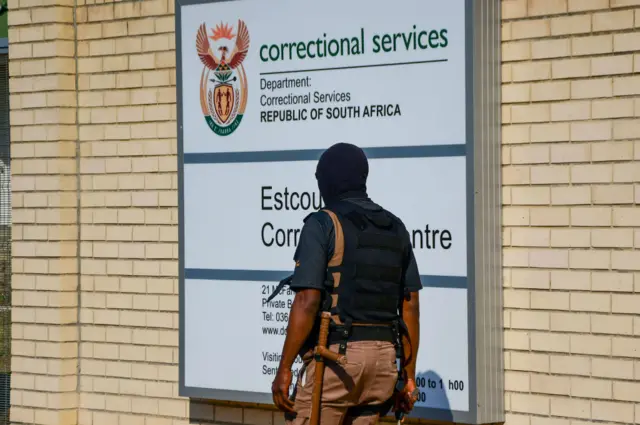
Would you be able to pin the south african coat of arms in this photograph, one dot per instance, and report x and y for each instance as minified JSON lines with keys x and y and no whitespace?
{"x":223,"y":83}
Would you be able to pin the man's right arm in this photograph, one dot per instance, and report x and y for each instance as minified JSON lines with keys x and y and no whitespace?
{"x":308,"y":278}
{"x":314,"y":247}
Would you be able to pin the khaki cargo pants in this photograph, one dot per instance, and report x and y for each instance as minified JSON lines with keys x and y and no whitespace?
{"x":367,"y":379}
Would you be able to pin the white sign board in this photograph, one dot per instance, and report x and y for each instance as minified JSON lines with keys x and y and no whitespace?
{"x":264,"y":88}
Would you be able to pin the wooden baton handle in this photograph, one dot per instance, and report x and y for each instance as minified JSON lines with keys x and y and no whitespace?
{"x":331,"y":356}
{"x":317,"y":385}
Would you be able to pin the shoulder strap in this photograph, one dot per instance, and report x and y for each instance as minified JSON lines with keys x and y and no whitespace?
{"x":334,"y":263}
{"x":338,"y":250}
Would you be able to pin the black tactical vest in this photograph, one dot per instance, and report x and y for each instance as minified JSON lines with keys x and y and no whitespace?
{"x":365,"y":274}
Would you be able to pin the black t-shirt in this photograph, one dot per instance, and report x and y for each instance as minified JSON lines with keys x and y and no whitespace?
{"x":315,"y":249}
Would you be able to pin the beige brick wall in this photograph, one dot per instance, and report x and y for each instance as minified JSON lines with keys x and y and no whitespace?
{"x":127,"y":131}
{"x":571,"y":136}
{"x":571,"y":156}
{"x":43,"y":134}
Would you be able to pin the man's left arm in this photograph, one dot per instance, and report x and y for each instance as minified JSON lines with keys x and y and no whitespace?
{"x":411,"y":341}
{"x":308,"y":278}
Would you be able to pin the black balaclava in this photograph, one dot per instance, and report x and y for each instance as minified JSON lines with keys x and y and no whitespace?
{"x":342,"y":172}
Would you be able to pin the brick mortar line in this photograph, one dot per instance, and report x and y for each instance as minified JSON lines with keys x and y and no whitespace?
{"x":126,"y":36}
{"x":608,"y":9}
{"x":128,"y":327}
{"x":111,"y":361}
{"x":573,"y":270}
{"x":120,"y":54}
{"x":552,"y":36}
{"x":514,"y":350}
{"x":625,"y":206}
{"x":128,"y":276}
{"x":558,"y":291}
{"x":573,"y":419}
{"x":132,"y":361}
{"x":541,"y":351}
{"x":612,"y":54}
{"x":103,"y":241}
{"x":142,"y":362}
{"x":554,"y":246}
{"x":114,"y":377}
{"x":557,"y":185}
{"x":129,"y":310}
{"x":106,"y":21}
{"x":45,"y":74}
{"x":108,"y":241}
{"x":569,"y":36}
{"x":559,"y":375}
{"x":102,"y":326}
{"x":578,"y":78}
{"x":132,"y":191}
{"x":524,"y":102}
{"x":107,"y":3}
{"x":78,"y":307}
{"x":111,"y":292}
{"x":127,"y":72}
{"x":148,"y":172}
{"x":590,"y":313}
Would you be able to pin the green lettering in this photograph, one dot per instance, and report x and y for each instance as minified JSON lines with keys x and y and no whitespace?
{"x":301,"y":50}
{"x":407,"y":42}
{"x":355,"y":45}
{"x":283,"y":47}
{"x":309,"y":44}
{"x":415,"y":37}
{"x":386,"y":40}
{"x":376,"y":43}
{"x":443,"y":36}
{"x":433,"y":44}
{"x":395,"y":40}
{"x":336,"y":50}
{"x":277,"y":54}
{"x":420,"y":43}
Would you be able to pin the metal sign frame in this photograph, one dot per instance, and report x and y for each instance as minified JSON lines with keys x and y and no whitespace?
{"x":484,"y":250}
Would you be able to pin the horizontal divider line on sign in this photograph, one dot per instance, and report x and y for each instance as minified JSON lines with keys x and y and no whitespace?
{"x":275,"y":276}
{"x":430,"y":151}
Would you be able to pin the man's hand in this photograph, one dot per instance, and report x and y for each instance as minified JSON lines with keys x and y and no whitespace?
{"x":407,"y":397}
{"x":280,"y":390}
{"x":303,"y":312}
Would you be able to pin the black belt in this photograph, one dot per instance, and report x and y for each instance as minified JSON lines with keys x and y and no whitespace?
{"x":339,"y":334}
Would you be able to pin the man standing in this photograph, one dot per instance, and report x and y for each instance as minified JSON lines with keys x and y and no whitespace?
{"x":354,"y":260}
